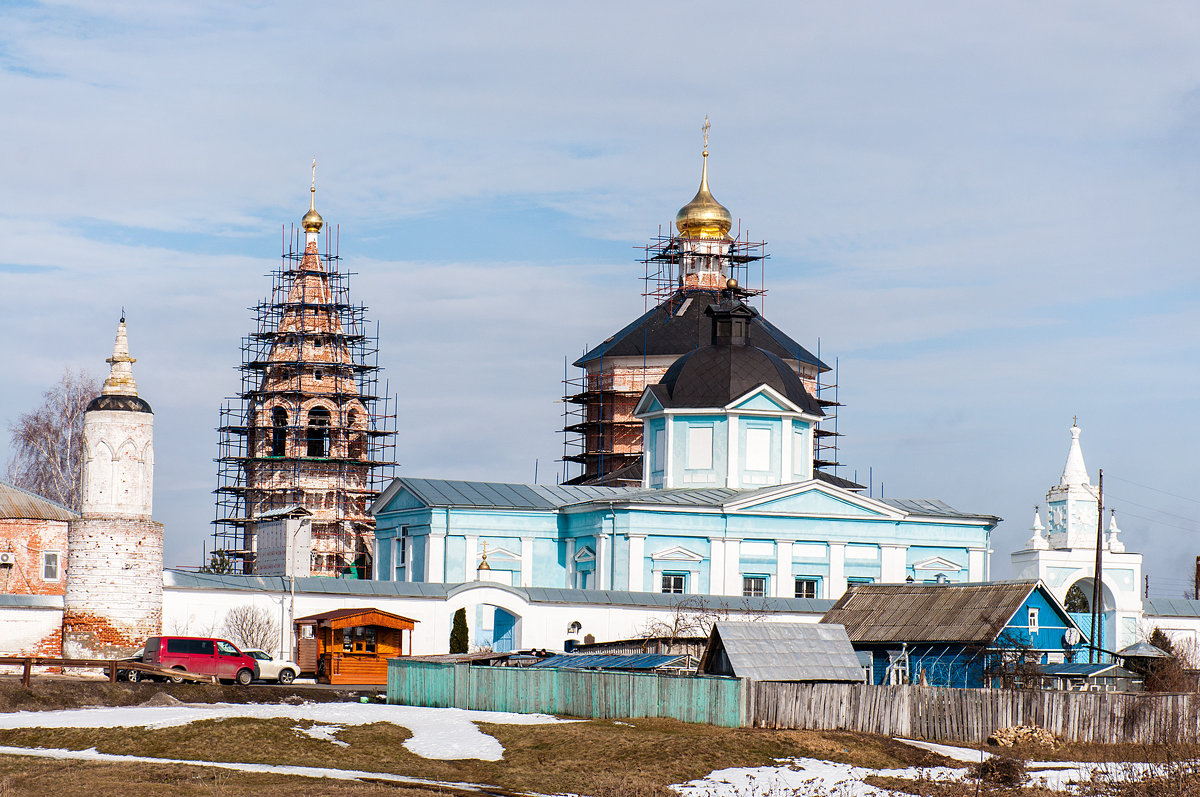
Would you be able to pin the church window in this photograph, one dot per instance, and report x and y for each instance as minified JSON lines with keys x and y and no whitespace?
{"x":317,"y":375}
{"x":318,"y":432}
{"x":801,"y":456}
{"x":806,"y":587}
{"x":675,"y":583}
{"x":754,"y":586}
{"x":660,"y":449}
{"x":404,"y":545}
{"x":700,"y":447}
{"x":50,"y":566}
{"x":357,"y":448}
{"x":758,"y":449}
{"x":279,"y":432}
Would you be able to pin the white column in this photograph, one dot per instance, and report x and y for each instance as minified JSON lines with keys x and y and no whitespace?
{"x":837,"y":571}
{"x":470,"y":557}
{"x":893,"y":563}
{"x":716,"y":567}
{"x":601,"y":569}
{"x":732,"y":470}
{"x":733,"y":566}
{"x":787,"y":473}
{"x":637,"y":562}
{"x":785,"y":585}
{"x":435,"y":557}
{"x":570,"y":563}
{"x":407,"y":542}
{"x":975,"y":569}
{"x":668,"y":455}
{"x":527,"y":561}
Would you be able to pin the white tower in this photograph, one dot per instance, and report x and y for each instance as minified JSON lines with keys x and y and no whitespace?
{"x":113,"y":597}
{"x":1069,"y":558}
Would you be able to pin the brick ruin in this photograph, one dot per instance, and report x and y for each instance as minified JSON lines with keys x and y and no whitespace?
{"x":306,"y":429}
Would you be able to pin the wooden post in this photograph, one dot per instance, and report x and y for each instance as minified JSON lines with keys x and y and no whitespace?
{"x":1098,"y":581}
{"x":112,"y":671}
{"x":27,"y":673}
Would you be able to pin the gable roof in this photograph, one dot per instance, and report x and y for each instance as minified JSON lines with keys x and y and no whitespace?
{"x":679,"y":325}
{"x":364,"y":615}
{"x":19,"y":504}
{"x":969,"y":613}
{"x":784,"y":651}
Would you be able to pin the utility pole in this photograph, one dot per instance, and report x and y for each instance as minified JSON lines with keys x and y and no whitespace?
{"x":1147,"y":595}
{"x":1097,"y":582}
{"x":1196,"y":587}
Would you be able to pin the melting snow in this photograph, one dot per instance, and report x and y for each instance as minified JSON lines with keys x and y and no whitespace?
{"x":326,"y":733}
{"x":444,"y":733}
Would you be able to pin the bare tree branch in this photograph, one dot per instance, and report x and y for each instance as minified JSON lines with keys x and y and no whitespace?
{"x":47,"y":441}
{"x":252,"y":627}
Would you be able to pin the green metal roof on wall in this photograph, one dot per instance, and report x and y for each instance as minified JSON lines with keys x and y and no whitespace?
{"x":19,"y":504}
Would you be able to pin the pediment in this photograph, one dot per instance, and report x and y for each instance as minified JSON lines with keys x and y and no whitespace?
{"x":647,"y":404}
{"x":814,"y":498}
{"x":401,"y":499}
{"x":939,"y":564}
{"x":764,"y":398}
{"x":497,"y":552}
{"x":585,"y":554}
{"x":676,"y":554}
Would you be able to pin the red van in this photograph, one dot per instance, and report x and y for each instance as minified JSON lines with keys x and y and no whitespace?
{"x":201,"y":655}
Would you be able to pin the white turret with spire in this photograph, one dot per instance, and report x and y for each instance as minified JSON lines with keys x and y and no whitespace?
{"x":1038,"y":541}
{"x":113,"y":594}
{"x":1071,"y":504}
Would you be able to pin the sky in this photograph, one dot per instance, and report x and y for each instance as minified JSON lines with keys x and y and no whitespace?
{"x":983,"y":213}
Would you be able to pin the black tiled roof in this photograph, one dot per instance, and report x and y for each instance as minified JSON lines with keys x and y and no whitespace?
{"x":679,"y":325}
{"x":120,"y":403}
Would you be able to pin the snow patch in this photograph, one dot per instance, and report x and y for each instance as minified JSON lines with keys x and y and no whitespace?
{"x":327,"y":733}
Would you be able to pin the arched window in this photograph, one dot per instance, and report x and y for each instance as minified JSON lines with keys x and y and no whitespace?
{"x":318,"y":432}
{"x":357,"y":448}
{"x":279,"y":432}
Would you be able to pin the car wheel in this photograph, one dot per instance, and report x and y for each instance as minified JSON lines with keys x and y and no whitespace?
{"x":244,"y":677}
{"x":133,"y":676}
{"x":286,"y":676}
{"x":176,"y":679}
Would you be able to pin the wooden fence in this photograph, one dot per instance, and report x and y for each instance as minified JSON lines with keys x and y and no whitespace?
{"x":575,"y":693}
{"x":922,"y":712}
{"x":971,"y":715}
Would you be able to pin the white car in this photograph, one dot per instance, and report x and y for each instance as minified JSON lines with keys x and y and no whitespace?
{"x":270,"y":669}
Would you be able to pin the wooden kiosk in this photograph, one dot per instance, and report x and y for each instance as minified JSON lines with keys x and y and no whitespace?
{"x":351,"y":646}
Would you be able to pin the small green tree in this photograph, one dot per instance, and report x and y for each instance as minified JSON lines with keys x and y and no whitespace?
{"x":220,"y":563}
{"x":458,"y":633}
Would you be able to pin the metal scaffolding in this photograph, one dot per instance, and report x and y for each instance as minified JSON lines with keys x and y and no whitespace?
{"x":308,"y":427}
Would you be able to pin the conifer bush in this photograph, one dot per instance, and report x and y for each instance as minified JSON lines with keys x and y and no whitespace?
{"x":458,"y":632}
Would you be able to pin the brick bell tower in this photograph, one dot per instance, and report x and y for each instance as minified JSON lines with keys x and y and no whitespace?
{"x":113,"y":598}
{"x":306,"y":432}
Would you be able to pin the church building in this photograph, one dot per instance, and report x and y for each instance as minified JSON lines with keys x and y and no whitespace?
{"x":685,"y":272}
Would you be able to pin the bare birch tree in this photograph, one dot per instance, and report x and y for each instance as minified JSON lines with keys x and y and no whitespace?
{"x":47,"y":442}
{"x":252,"y":627}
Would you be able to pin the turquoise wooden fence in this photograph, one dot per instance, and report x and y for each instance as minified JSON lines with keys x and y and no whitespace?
{"x":572,"y":693}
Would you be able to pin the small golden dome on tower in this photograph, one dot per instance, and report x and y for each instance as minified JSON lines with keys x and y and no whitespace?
{"x":312,"y":220}
{"x":704,"y":216}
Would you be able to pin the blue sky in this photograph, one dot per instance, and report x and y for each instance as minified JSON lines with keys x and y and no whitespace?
{"x":986,"y":213}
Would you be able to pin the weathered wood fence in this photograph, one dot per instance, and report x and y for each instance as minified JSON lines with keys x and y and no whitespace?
{"x":576,"y":693}
{"x":922,"y":712}
{"x":970,"y":715}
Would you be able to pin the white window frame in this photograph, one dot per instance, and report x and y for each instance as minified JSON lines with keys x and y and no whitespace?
{"x":748,"y":591}
{"x":1033,"y":620}
{"x":700,"y":447}
{"x":682,"y":580}
{"x":57,"y":565}
{"x":816,"y":586}
{"x":660,"y":455}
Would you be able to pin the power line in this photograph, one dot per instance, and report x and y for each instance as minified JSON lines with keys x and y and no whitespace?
{"x":1159,"y":522}
{"x":1121,"y":501}
{"x":1157,"y":490}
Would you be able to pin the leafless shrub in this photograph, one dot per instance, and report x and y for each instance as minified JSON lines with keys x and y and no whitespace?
{"x":694,"y":617}
{"x":1000,"y":771}
{"x":252,"y":627}
{"x":47,"y":441}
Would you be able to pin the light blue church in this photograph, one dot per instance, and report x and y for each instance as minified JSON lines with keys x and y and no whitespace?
{"x":729,"y":503}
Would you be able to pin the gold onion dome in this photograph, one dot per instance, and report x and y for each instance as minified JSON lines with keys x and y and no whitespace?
{"x":312,"y":220}
{"x":704,"y":216}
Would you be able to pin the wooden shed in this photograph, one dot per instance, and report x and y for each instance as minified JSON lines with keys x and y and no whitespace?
{"x":351,"y":646}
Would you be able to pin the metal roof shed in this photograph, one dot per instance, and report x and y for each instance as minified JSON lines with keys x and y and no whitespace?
{"x":797,"y":652}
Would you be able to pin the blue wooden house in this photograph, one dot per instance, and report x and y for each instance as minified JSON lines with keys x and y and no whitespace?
{"x":958,"y":635}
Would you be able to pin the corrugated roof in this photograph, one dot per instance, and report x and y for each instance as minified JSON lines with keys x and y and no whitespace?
{"x":19,"y":504}
{"x":1088,"y":670}
{"x":785,"y":651}
{"x":1142,"y":650}
{"x":614,"y":661}
{"x":927,"y":507}
{"x":929,"y":612}
{"x":1171,"y":607}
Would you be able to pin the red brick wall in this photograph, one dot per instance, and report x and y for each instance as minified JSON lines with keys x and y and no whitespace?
{"x":26,"y":540}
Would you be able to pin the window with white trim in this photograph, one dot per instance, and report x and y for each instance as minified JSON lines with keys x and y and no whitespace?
{"x":674,"y":583}
{"x":806,"y":587}
{"x":754,"y":586}
{"x":660,"y":449}
{"x":50,"y":569}
{"x":1033,"y":620}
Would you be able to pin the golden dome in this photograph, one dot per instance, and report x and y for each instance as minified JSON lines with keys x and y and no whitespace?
{"x":312,"y":220}
{"x":704,"y":216}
